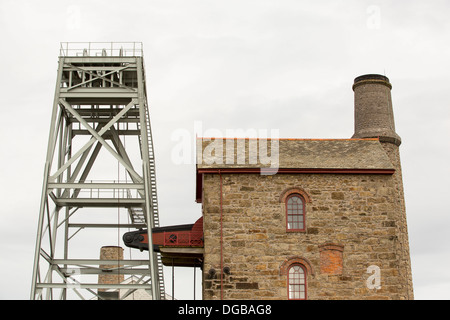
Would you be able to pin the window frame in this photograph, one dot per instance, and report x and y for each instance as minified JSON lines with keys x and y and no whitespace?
{"x":305,"y":279}
{"x":303,"y":214}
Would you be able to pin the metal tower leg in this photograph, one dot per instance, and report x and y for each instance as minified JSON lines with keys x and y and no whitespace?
{"x":100,"y":102}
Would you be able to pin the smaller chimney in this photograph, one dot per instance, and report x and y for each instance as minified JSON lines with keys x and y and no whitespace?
{"x":374,"y":117}
{"x":110,"y":253}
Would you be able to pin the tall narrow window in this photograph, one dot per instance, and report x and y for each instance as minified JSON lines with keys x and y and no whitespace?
{"x":297,"y":282}
{"x":295,"y":213}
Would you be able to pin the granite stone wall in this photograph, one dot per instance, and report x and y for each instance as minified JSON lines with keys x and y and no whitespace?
{"x":354,"y":223}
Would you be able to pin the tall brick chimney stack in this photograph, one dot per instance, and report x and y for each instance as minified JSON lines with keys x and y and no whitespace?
{"x":374,"y":117}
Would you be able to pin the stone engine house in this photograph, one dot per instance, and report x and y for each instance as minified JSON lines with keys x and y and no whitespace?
{"x":326,"y":221}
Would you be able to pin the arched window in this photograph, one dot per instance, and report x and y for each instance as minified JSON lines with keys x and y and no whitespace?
{"x":297,"y":270}
{"x":296,"y":282}
{"x":295,"y":213}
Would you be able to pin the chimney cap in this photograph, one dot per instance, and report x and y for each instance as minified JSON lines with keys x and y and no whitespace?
{"x":372,"y":78}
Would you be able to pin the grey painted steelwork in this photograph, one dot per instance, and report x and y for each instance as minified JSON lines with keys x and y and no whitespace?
{"x":100,"y":104}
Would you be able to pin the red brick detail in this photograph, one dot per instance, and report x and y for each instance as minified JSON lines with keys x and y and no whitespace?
{"x":331,"y":258}
{"x":287,"y":192}
{"x":296,"y":260}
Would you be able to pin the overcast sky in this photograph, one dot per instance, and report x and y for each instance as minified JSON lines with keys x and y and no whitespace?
{"x":230,"y":64}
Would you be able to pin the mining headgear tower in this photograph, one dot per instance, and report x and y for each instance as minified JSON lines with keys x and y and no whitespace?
{"x":100,"y":109}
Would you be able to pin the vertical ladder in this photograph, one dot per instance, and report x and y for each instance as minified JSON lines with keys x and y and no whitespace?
{"x":137,"y":215}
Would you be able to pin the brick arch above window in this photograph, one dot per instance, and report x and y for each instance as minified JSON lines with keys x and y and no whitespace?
{"x":296,"y":260}
{"x":295,"y":190}
{"x":331,"y":246}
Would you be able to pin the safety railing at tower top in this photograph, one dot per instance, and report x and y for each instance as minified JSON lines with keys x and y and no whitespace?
{"x":99,"y":49}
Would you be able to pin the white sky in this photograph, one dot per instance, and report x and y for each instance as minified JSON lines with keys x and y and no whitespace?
{"x":260,"y":64}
